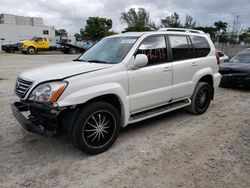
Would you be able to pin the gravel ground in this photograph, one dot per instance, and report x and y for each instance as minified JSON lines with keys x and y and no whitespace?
{"x":174,"y":150}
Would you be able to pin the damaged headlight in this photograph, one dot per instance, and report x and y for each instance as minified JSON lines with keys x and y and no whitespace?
{"x":48,"y":92}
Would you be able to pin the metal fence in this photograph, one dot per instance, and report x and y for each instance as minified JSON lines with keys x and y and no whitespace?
{"x":231,"y":49}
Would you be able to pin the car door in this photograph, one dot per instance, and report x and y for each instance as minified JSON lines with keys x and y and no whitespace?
{"x":39,"y":42}
{"x":184,"y":66}
{"x":151,"y":85}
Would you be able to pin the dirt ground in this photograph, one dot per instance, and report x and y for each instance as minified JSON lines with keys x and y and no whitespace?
{"x":174,"y":150}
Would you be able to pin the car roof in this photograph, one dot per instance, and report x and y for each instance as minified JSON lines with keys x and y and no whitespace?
{"x":138,"y":34}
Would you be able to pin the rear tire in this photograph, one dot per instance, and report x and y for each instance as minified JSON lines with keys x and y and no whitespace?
{"x":96,"y":128}
{"x":201,"y":98}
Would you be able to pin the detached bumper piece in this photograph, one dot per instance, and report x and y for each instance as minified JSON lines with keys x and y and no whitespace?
{"x":31,"y":124}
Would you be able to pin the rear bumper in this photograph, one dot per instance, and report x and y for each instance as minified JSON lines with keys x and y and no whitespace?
{"x":30,"y":124}
{"x":217,"y":80}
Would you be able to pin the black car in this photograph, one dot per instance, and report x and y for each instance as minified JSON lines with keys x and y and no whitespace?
{"x":236,"y":71}
{"x":10,"y":48}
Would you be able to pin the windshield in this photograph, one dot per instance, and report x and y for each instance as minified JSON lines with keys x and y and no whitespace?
{"x":241,"y":58}
{"x":109,"y":50}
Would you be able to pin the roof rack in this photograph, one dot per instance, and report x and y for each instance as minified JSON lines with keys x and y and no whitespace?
{"x":182,"y":30}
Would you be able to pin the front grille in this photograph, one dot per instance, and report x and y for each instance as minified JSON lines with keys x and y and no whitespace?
{"x":22,"y":86}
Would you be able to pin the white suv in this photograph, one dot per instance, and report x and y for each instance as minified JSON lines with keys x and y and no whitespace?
{"x":121,"y":80}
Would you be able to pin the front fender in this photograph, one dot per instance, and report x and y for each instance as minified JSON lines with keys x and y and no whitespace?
{"x":86,"y":94}
{"x":28,"y":44}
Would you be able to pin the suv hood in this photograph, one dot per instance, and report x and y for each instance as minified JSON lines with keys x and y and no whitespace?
{"x":61,"y":71}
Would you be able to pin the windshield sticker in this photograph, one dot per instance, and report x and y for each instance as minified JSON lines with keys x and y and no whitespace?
{"x":128,"y":41}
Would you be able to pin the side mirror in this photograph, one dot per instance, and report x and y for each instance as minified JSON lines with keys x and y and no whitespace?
{"x":140,"y":60}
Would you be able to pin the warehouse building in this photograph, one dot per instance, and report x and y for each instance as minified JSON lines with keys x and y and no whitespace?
{"x":15,"y":28}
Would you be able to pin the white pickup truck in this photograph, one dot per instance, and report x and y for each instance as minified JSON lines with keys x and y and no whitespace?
{"x":123,"y":79}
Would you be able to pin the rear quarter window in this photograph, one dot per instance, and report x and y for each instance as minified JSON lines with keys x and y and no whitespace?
{"x":200,"y":45}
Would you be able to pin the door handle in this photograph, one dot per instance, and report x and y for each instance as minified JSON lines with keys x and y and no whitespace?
{"x":194,"y":64}
{"x":167,"y":69}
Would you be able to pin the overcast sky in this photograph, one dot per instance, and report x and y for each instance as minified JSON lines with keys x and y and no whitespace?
{"x":72,"y":14}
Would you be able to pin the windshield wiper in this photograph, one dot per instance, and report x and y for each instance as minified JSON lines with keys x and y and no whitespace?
{"x":97,"y":61}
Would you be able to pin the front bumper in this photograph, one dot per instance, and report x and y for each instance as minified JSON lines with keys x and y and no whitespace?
{"x":235,"y":80}
{"x":31,"y":124}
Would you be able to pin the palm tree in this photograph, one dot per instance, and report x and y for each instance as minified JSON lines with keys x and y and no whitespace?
{"x":220,"y":25}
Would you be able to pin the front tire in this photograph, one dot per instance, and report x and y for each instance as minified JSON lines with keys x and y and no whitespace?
{"x":31,"y":50}
{"x":96,"y":128}
{"x":201,"y":98}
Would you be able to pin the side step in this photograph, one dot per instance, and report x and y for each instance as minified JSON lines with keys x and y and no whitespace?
{"x":158,"y":111}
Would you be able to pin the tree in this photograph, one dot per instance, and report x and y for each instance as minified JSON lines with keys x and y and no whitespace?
{"x":61,"y":32}
{"x":136,"y":21}
{"x":96,"y":28}
{"x":190,"y":22}
{"x":220,"y":26}
{"x":210,"y":30}
{"x":171,"y":21}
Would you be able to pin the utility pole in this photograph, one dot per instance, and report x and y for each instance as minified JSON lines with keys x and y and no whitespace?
{"x":236,"y":25}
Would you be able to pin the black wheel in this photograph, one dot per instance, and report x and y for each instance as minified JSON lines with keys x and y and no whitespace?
{"x":72,"y":51}
{"x":96,"y":128}
{"x":201,"y":98}
{"x":11,"y":50}
{"x":31,"y":50}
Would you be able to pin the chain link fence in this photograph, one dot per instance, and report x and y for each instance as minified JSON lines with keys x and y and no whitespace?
{"x":231,"y":49}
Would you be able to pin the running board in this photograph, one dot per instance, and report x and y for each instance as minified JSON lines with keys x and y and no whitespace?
{"x":158,"y":111}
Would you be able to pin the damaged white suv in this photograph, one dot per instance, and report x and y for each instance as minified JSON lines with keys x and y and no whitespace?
{"x":121,"y":80}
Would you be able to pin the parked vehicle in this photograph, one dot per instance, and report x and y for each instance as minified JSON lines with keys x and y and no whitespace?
{"x":87,"y":45}
{"x":38,"y":43}
{"x":9,"y":48}
{"x":122,"y":79}
{"x":236,"y":71}
{"x":222,"y":56}
{"x":41,"y":43}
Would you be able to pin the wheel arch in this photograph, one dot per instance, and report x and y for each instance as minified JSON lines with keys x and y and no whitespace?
{"x":109,"y":98}
{"x":208,"y":79}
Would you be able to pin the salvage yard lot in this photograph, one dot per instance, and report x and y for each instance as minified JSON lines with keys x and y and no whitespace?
{"x":174,"y":150}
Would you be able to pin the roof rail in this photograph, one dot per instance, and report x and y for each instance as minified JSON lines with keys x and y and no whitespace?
{"x":182,"y":30}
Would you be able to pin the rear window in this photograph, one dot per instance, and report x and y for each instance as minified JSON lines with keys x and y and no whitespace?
{"x":200,"y":45}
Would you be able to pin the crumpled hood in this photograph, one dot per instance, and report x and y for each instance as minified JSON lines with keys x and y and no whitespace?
{"x":61,"y":71}
{"x":235,"y":67}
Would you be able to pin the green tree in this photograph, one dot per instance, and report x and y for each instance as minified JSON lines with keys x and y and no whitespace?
{"x":171,"y":21}
{"x":245,"y":36}
{"x":190,"y":22}
{"x":61,"y":32}
{"x":96,"y":28}
{"x":210,"y":30}
{"x":136,"y":20}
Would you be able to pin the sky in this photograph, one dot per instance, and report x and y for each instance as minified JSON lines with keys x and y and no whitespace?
{"x":72,"y":14}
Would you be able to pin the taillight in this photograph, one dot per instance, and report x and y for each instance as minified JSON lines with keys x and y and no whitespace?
{"x":217,"y":57}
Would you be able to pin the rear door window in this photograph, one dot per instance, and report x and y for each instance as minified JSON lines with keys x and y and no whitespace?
{"x":180,"y":47}
{"x":200,"y":45}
